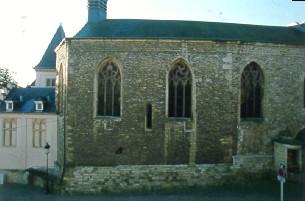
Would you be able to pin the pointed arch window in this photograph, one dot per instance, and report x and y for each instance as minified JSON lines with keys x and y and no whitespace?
{"x":180,"y":91}
{"x":252,"y":81}
{"x":109,"y":90}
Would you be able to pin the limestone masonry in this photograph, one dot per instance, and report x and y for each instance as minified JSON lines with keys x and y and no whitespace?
{"x":139,"y":110}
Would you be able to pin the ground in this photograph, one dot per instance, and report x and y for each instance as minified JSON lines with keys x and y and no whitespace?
{"x":264,"y":190}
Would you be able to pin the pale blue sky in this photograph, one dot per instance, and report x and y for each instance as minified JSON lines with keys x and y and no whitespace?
{"x":27,"y":26}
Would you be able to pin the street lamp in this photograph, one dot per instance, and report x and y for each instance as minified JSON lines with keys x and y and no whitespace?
{"x":47,"y":151}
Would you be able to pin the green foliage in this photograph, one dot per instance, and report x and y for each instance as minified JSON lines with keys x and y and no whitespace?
{"x":286,"y":137}
{"x":6,"y":77}
{"x":286,"y":133}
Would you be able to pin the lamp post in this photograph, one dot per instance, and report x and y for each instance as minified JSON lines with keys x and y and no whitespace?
{"x":47,"y":151}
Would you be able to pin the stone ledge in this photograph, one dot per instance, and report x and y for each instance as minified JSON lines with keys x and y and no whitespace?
{"x":253,"y":162}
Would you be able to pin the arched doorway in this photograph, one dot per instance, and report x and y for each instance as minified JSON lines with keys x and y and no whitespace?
{"x":301,"y":137}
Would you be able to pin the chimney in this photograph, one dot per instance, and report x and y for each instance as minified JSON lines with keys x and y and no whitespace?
{"x":97,"y":10}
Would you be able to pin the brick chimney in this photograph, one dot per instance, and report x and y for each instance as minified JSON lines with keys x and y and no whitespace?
{"x":97,"y":10}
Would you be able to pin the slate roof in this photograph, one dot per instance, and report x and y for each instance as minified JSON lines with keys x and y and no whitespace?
{"x":29,"y":95}
{"x":48,"y":60}
{"x":190,"y":30}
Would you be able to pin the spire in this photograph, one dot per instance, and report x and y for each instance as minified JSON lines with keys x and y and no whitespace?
{"x":49,"y":58}
{"x":97,"y":10}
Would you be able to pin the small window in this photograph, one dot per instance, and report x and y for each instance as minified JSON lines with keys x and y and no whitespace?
{"x":50,"y":82}
{"x":148,"y":119}
{"x":9,"y":105}
{"x":119,"y":151}
{"x":39,"y":105}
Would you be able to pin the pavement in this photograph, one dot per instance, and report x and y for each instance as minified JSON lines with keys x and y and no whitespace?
{"x":265,"y":190}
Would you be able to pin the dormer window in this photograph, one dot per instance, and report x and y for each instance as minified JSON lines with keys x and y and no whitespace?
{"x":9,"y":105}
{"x":39,"y":105}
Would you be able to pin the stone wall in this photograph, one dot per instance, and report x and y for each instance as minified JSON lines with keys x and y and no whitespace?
{"x":15,"y":176}
{"x":145,"y":178}
{"x":253,"y":163}
{"x":92,"y":180}
{"x":60,"y":98}
{"x":213,"y":135}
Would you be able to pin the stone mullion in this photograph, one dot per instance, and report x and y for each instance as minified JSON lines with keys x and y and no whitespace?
{"x":175,"y":95}
{"x":112,"y":95}
{"x":105,"y":97}
{"x":183,"y":99}
{"x":11,"y":133}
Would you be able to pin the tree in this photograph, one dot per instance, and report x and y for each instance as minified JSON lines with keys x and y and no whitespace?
{"x":6,"y":77}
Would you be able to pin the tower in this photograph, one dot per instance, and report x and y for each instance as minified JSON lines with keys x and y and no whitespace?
{"x":97,"y":10}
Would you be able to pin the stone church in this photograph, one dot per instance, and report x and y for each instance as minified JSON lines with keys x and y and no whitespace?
{"x":146,"y":104}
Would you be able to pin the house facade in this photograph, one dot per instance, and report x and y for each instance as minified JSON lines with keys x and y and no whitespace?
{"x":156,"y":104}
{"x":29,"y":119}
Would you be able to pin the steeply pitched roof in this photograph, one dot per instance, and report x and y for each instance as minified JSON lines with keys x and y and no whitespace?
{"x":48,"y":60}
{"x":25,"y":97}
{"x":190,"y":30}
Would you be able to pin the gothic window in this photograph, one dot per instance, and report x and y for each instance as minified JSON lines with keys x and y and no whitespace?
{"x":251,"y":91}
{"x":9,"y":132}
{"x":180,"y":91}
{"x":39,"y":132}
{"x":149,"y":116}
{"x":109,"y":90}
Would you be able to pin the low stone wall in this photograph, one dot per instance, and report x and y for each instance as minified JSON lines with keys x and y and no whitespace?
{"x":29,"y":178}
{"x":15,"y":176}
{"x":92,"y":180}
{"x":126,"y":178}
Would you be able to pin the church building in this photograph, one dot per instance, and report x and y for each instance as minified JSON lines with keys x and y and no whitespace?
{"x":147,"y":104}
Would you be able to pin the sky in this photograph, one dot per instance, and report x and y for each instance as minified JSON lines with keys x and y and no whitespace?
{"x":27,"y":26}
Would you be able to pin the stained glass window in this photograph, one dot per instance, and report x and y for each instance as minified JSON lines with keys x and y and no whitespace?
{"x":251,"y":91}
{"x":180,"y":91}
{"x":109,"y":90}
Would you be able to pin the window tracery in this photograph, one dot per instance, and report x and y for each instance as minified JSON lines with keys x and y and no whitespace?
{"x":251,"y":91}
{"x":180,"y":91}
{"x":109,"y":90}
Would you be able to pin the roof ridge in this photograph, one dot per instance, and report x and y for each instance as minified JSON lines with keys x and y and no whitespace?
{"x":190,"y":30}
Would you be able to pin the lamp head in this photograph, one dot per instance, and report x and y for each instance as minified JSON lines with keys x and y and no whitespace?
{"x":47,"y":148}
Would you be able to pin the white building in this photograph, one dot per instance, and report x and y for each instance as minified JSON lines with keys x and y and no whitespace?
{"x":46,"y":68}
{"x":28,"y":120}
{"x":28,"y":117}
